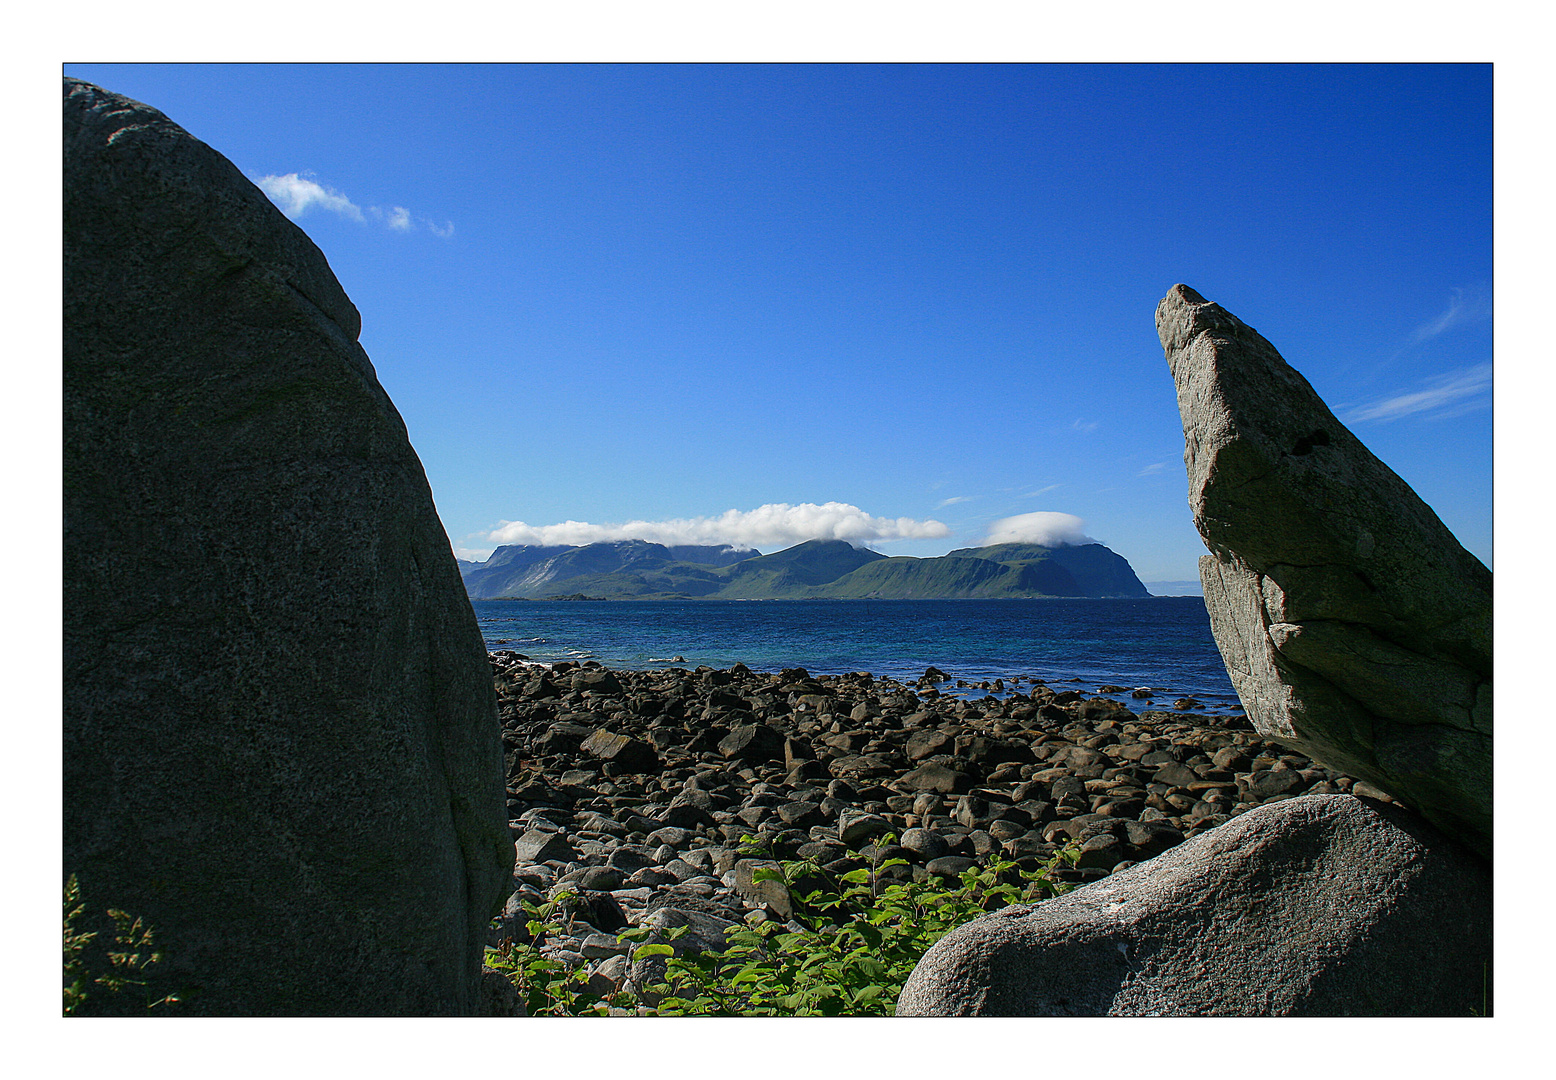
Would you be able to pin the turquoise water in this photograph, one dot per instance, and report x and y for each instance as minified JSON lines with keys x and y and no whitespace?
{"x":1162,"y":642}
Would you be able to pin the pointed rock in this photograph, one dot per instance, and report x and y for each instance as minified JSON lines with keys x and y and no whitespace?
{"x":1353,"y":624}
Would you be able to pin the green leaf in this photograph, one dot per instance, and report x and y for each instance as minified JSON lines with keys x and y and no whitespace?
{"x":652,"y":950}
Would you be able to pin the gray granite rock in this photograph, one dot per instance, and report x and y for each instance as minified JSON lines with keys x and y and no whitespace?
{"x":1353,"y":624}
{"x":280,"y":732}
{"x":1322,"y":905}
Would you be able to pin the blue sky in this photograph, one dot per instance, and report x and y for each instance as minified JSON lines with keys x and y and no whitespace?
{"x":900,"y":304}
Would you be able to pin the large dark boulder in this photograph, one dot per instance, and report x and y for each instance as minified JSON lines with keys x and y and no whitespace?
{"x":1322,"y":905}
{"x":281,"y":746}
{"x":1353,"y":625}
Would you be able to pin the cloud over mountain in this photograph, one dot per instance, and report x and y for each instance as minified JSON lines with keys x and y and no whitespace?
{"x":774,"y":525}
{"x":1045,"y":527}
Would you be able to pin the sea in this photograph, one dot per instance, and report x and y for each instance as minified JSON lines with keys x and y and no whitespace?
{"x":1160,"y":642}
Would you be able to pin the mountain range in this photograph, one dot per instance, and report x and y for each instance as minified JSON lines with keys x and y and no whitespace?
{"x":816,"y":569}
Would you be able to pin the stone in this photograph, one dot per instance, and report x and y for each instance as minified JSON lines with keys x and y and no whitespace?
{"x":936,"y":777}
{"x":597,"y":681}
{"x":753,"y":743}
{"x":280,"y":733}
{"x":950,"y":866}
{"x":769,"y":892}
{"x":1273,"y":782}
{"x":1353,"y":624}
{"x":1321,"y":905}
{"x":543,"y":845}
{"x":925,"y":844}
{"x":923,"y":744}
{"x":633,"y":755}
{"x":860,"y":767}
{"x":704,"y":933}
{"x":602,"y":879}
{"x":1175,"y":775}
{"x":687,"y":811}
{"x":854,"y":827}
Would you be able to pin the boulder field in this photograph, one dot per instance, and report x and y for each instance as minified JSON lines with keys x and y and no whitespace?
{"x":634,"y":789}
{"x":280,"y":740}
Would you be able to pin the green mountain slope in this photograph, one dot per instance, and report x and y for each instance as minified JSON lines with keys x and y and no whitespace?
{"x":790,"y":573}
{"x":816,"y":569}
{"x":1094,"y":569}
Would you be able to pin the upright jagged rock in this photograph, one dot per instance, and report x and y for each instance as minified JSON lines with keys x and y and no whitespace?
{"x":1353,"y":625}
{"x":280,"y":738}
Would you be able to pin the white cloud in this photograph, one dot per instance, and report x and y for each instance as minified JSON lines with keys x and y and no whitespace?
{"x":773,"y":526}
{"x":1040,"y":491}
{"x":953,"y":500}
{"x":296,"y":195}
{"x":1085,"y":425}
{"x":1154,"y":467}
{"x":1045,"y":527}
{"x":1463,"y":306}
{"x":473,"y":554}
{"x":1447,"y":395}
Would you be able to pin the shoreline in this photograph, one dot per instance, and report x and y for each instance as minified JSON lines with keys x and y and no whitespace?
{"x":634,"y":788}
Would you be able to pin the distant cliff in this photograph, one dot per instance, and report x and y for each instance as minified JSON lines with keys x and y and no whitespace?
{"x":814,"y":570}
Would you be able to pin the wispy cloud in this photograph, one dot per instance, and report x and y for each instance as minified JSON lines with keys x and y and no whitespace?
{"x":1084,"y":425}
{"x":1452,"y":394}
{"x":1045,"y":527}
{"x":774,"y":525}
{"x":1041,"y":491}
{"x":298,"y":194}
{"x":953,"y":500}
{"x":1466,"y":305}
{"x":1154,"y":467}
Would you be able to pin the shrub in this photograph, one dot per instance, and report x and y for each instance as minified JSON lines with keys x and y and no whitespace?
{"x":861,"y":934}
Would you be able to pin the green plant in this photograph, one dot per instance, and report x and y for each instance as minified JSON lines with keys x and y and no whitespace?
{"x":549,"y":987}
{"x":861,"y":937}
{"x":132,"y":957}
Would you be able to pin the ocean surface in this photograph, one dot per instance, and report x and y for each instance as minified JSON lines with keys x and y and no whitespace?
{"x":1162,"y":642}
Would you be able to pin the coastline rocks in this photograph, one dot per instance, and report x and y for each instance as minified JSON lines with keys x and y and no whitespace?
{"x":684,"y":832}
{"x":280,"y":738}
{"x":1354,"y":626}
{"x":1323,"y":905}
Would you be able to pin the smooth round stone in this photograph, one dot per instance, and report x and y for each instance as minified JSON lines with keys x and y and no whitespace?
{"x":925,"y":844}
{"x":601,"y":878}
{"x":672,"y":835}
{"x":1003,"y":830}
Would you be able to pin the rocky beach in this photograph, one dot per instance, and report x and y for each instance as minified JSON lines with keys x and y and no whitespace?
{"x":634,"y":789}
